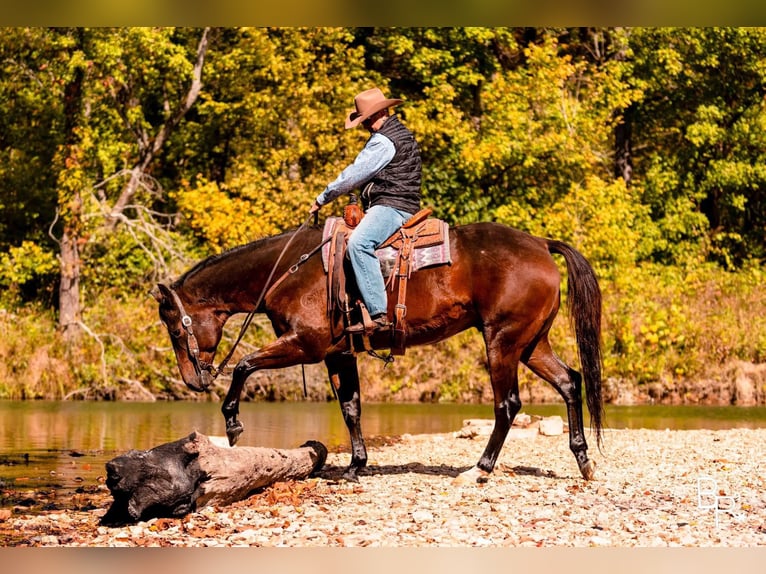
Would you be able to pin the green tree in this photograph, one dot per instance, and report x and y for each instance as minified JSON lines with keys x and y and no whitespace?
{"x":30,"y":113}
{"x":444,"y":75}
{"x":110,"y":98}
{"x":271,"y":119}
{"x":505,"y":116}
{"x":700,"y":138}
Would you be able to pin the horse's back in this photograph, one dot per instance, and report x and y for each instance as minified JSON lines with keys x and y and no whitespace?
{"x":508,"y":270}
{"x":497,"y":245}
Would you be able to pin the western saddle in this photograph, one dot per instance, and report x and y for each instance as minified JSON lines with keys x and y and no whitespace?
{"x":421,"y":242}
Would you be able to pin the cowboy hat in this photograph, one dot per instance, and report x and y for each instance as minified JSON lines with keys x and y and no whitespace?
{"x":368,"y":103}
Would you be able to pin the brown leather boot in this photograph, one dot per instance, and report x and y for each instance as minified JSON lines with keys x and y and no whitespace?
{"x":379,"y":323}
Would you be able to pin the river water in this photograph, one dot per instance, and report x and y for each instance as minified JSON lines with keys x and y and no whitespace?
{"x":64,"y":445}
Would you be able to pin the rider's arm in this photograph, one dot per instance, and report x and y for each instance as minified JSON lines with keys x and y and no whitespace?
{"x":375,"y":155}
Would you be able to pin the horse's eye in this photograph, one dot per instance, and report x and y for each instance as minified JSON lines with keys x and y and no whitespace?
{"x":175,"y":333}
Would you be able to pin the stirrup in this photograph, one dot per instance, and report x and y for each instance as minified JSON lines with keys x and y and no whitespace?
{"x":379,"y":324}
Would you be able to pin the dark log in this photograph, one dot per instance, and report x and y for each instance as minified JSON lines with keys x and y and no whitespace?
{"x":176,"y":478}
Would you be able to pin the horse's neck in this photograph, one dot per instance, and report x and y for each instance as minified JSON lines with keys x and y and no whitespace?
{"x":235,"y":280}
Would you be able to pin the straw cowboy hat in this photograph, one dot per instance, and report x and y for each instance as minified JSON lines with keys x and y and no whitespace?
{"x":368,"y":103}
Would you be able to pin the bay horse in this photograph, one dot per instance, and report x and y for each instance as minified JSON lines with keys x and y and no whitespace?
{"x":501,"y":281}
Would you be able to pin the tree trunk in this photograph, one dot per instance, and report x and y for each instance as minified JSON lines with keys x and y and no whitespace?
{"x":70,"y":204}
{"x":69,"y":289}
{"x":623,"y":151}
{"x":176,"y":478}
{"x":623,"y":131}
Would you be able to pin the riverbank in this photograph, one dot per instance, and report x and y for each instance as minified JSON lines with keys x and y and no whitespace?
{"x":719,"y":362}
{"x":645,"y":495}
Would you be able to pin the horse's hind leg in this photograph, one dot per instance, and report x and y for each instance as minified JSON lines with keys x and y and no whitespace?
{"x":568,"y":382}
{"x":343,"y":371}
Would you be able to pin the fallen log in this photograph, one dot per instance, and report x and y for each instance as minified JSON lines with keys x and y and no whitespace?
{"x":176,"y":478}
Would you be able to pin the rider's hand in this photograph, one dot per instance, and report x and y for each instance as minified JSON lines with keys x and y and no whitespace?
{"x":314,"y":208}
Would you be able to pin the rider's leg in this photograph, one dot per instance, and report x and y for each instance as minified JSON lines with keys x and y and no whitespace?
{"x":378,"y":224}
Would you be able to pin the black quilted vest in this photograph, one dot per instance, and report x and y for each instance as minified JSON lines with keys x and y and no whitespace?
{"x":398,"y":184}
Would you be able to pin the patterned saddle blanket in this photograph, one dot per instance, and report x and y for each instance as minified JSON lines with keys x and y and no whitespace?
{"x":431,"y":245}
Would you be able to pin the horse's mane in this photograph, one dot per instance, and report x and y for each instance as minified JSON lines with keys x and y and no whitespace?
{"x":213,"y":259}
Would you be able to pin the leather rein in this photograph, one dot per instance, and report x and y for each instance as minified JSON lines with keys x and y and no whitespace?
{"x":186,"y":321}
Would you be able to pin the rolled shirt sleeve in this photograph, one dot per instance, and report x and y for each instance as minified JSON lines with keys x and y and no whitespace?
{"x":375,"y":155}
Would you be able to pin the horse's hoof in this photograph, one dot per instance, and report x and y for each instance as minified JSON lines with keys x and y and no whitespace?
{"x":350,"y":475}
{"x":588,"y":470}
{"x":233,"y":432}
{"x":471,"y":476}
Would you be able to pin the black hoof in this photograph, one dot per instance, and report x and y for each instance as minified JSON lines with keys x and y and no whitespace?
{"x":233,"y":432}
{"x":350,"y":475}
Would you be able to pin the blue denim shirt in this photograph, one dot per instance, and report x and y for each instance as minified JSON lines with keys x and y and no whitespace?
{"x":375,"y":155}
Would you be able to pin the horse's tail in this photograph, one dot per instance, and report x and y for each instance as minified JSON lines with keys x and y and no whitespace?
{"x":584,"y":305}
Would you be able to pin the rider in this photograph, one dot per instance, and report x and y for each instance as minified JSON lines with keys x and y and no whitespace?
{"x":389,"y":171}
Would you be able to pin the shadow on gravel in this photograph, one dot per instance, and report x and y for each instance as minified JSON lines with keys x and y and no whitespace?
{"x":336,"y":472}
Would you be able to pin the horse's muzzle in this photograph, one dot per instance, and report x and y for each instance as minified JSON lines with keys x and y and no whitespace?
{"x":202,"y":382}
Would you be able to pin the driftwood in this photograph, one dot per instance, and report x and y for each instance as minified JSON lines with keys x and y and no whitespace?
{"x":179,"y":477}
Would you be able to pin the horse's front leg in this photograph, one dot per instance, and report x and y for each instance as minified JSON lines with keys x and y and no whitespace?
{"x":503,"y":373}
{"x":230,"y":408}
{"x":284,"y":352}
{"x":344,"y":375}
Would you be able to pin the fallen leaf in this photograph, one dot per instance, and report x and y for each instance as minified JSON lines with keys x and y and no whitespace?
{"x":163,"y":524}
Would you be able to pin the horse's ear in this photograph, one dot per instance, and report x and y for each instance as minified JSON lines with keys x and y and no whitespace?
{"x":160,"y":292}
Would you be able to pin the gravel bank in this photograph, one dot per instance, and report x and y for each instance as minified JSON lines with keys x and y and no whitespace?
{"x":645,"y":495}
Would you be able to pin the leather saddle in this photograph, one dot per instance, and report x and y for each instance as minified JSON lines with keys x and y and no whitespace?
{"x":421,"y":242}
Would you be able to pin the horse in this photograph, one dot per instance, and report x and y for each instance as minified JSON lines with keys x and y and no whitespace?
{"x":501,"y":281}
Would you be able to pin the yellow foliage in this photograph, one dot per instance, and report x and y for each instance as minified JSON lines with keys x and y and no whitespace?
{"x":604,"y":220}
{"x":221,"y":219}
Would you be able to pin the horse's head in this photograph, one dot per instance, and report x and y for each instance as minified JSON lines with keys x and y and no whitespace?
{"x":195,"y":331}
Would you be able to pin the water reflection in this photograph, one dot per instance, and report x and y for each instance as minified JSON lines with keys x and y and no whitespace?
{"x":65,"y":444}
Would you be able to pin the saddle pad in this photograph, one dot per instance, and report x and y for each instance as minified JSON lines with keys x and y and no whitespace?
{"x":434,"y":250}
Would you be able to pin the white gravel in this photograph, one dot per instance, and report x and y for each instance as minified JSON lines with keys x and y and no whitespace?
{"x":645,"y":495}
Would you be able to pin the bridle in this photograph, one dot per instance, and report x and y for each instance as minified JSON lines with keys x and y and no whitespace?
{"x":192,"y":345}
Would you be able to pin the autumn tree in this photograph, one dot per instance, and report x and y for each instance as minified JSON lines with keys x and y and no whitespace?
{"x":699,"y":137}
{"x":270,"y":128}
{"x":30,"y":114}
{"x":116,"y":96}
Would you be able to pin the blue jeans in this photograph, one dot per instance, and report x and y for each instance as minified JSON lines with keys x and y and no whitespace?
{"x":377,"y":225}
